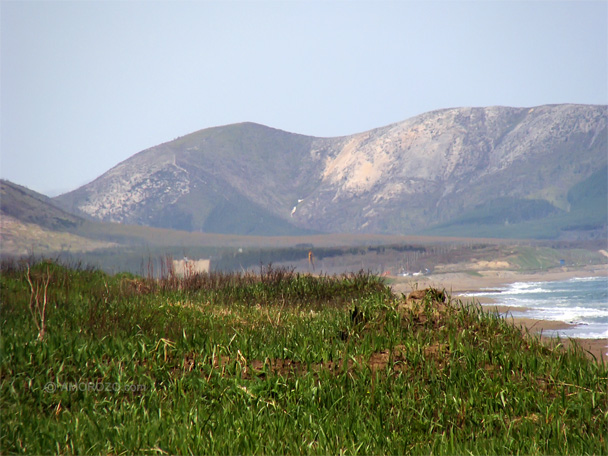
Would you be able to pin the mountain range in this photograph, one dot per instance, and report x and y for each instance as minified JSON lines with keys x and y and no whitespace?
{"x":493,"y":172}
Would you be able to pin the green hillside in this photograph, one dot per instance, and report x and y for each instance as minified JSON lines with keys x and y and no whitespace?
{"x":279,"y":363}
{"x":589,"y":202}
{"x":537,"y":219}
{"x":240,"y":217}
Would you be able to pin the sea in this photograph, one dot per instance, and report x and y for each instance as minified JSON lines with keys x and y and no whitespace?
{"x":582,"y":302}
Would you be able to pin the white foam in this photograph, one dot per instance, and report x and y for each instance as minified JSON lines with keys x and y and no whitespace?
{"x":488,"y":293}
{"x":581,"y":332}
{"x":568,"y":314}
{"x":586,"y":279}
{"x":585,"y":305}
{"x":526,"y":291}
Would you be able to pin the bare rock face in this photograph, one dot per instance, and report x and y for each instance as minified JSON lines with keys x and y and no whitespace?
{"x":130,"y":191}
{"x":439,"y":167}
{"x":432,"y":167}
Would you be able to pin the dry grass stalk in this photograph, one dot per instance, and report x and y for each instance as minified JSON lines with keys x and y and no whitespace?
{"x":38,"y":308}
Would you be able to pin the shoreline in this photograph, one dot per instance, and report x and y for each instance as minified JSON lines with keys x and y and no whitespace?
{"x":456,"y":283}
{"x":459,"y":283}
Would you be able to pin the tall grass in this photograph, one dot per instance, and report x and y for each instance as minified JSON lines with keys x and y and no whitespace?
{"x":279,"y":362}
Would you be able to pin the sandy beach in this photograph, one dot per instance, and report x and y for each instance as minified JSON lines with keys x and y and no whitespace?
{"x":459,"y":283}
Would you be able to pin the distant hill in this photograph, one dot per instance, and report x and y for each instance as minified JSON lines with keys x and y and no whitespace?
{"x":230,"y":179}
{"x":28,"y":206}
{"x":492,"y":172}
{"x":31,"y":224}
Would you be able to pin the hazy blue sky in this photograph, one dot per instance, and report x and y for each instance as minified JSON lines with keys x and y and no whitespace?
{"x":85,"y":84}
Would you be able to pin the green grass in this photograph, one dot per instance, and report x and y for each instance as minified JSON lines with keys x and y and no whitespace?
{"x":280,"y":363}
{"x":535,"y":258}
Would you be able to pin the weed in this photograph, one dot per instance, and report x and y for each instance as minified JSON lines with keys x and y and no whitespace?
{"x":39,"y":300}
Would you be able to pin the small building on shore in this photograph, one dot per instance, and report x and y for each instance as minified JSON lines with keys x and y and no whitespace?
{"x":187,"y":266}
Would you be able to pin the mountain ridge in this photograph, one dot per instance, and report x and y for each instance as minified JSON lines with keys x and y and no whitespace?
{"x":405,"y":177}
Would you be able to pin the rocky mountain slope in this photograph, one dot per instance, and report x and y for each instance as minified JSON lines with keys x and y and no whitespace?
{"x":447,"y":171}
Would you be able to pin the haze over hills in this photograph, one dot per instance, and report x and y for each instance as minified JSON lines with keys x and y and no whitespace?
{"x":492,"y":172}
{"x":31,"y":222}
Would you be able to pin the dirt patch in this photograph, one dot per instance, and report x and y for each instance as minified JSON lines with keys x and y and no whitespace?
{"x":377,"y":361}
{"x":418,"y":298}
{"x":422,"y":307}
{"x":492,"y":265}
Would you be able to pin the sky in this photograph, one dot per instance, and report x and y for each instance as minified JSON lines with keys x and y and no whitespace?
{"x":85,"y":85}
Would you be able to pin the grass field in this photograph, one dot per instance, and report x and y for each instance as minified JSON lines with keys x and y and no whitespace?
{"x":281,"y":363}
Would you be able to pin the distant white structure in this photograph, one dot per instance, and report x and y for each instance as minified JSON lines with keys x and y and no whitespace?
{"x":293,"y":211}
{"x":188,"y":267}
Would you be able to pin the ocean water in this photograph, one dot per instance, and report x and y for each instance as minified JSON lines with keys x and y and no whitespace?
{"x":582,"y":302}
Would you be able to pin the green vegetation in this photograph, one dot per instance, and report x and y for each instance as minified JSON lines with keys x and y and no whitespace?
{"x":589,"y":205}
{"x":279,"y":362}
{"x":595,"y":187}
{"x":535,"y":258}
{"x":536,"y":219}
{"x":539,"y":258}
{"x":506,"y":211}
{"x":241,"y":217}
